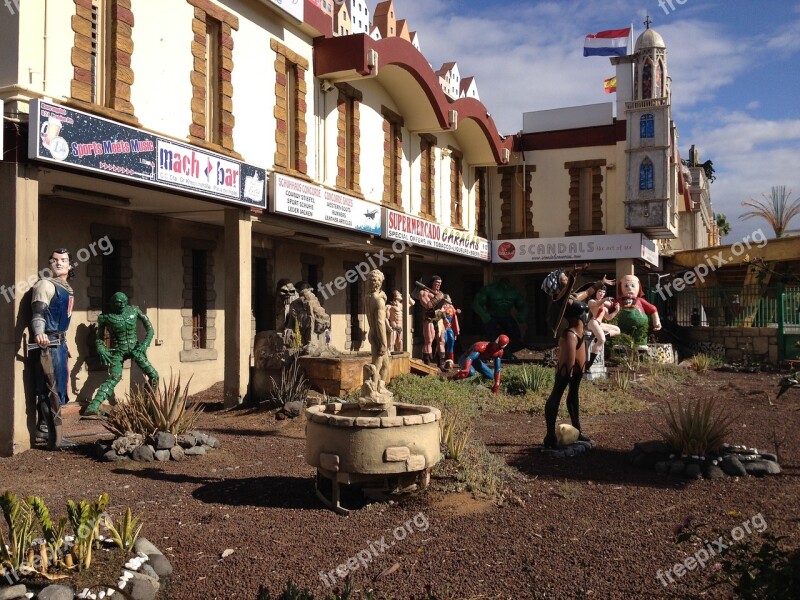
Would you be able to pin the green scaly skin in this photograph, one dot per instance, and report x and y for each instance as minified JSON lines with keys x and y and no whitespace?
{"x":121,"y":325}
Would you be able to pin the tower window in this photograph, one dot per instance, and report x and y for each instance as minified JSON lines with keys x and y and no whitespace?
{"x":646,"y":126}
{"x":646,"y":175}
{"x":647,"y":80}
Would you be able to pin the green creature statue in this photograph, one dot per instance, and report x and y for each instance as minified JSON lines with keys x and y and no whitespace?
{"x":495,"y":305}
{"x":121,"y":324}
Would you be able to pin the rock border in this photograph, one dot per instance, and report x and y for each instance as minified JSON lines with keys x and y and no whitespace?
{"x":734,"y":461}
{"x":144,"y":572}
{"x":163,"y":446}
{"x":569,"y":450}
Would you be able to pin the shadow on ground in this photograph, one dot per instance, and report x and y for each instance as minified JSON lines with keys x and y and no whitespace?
{"x":599,"y":465}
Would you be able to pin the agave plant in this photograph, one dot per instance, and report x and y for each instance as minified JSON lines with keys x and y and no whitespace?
{"x":698,"y":429}
{"x":126,"y":531}
{"x":293,"y":386}
{"x":149,"y":410}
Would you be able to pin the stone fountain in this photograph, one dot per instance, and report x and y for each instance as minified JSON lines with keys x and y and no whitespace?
{"x":376,"y":444}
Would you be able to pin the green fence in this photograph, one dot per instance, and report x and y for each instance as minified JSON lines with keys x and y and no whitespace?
{"x":774,"y":305}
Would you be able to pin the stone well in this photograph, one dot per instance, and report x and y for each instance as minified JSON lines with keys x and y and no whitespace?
{"x":387,"y":450}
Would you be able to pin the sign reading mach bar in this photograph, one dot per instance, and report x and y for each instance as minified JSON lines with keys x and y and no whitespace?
{"x":80,"y":140}
{"x":420,"y":232}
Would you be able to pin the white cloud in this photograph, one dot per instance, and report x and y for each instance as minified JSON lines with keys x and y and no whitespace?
{"x":528,"y":56}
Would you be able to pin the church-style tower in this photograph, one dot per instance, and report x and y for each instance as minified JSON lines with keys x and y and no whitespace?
{"x":651,"y":177}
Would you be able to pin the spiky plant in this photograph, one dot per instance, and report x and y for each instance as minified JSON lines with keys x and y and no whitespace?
{"x":148,"y":410}
{"x":21,"y":527}
{"x":293,"y":386}
{"x":776,"y":209}
{"x":698,"y":429}
{"x":84,"y":519}
{"x":53,"y":534}
{"x":125,"y":532}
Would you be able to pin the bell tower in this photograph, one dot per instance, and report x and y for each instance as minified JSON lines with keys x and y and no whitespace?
{"x":651,"y":142}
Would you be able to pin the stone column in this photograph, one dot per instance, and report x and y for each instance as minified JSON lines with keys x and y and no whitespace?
{"x":624,"y":267}
{"x":19,"y":264}
{"x":405,"y":288}
{"x":238,"y":311}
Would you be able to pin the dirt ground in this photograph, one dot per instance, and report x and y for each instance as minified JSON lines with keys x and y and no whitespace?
{"x":593,"y":526}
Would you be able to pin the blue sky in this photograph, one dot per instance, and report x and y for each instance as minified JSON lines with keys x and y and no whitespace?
{"x":734,"y":66}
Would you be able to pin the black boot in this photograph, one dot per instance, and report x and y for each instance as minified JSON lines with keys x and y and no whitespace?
{"x":427,"y":358}
{"x":551,"y":409}
{"x":574,"y":405}
{"x":42,"y":414}
{"x":592,"y":358}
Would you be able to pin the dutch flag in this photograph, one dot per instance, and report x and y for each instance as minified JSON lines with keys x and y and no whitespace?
{"x":613,"y":42}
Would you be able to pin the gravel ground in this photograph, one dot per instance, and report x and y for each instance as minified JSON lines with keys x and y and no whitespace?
{"x":592,"y":526}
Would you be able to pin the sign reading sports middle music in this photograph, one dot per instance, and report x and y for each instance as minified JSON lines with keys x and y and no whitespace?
{"x":419,"y":232}
{"x":309,"y":201}
{"x":77,"y":139}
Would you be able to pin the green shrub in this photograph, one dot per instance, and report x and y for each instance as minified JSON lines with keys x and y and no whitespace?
{"x":698,"y":429}
{"x":519,"y":379}
{"x":149,"y":410}
{"x":125,"y":532}
{"x":21,"y":527}
{"x":293,"y":386}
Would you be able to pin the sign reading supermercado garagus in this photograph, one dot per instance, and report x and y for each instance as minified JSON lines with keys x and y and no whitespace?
{"x":77,"y":139}
{"x":421,"y":232}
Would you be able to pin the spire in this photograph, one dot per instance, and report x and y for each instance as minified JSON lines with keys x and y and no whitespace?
{"x":647,"y":22}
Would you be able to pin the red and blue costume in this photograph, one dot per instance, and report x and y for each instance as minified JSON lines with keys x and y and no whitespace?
{"x":478,"y":356}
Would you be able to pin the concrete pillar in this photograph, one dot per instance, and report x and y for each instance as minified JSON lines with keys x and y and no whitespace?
{"x":624,"y":267}
{"x":405,"y":288}
{"x":19,"y":249}
{"x":238,"y":312}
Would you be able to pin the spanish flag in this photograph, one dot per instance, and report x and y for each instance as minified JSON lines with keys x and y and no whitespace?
{"x":610,"y":85}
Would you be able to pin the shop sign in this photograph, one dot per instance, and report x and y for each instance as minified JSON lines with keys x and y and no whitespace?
{"x":575,"y":249}
{"x":309,"y":201}
{"x":76,"y":139}
{"x":420,"y":232}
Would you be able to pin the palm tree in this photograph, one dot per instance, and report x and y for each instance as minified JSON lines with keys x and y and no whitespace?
{"x":723,"y":226}
{"x":776,"y":209}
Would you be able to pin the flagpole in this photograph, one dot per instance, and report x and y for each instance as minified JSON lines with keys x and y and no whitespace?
{"x":630,"y":40}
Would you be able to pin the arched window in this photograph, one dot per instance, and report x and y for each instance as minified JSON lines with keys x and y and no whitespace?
{"x":646,"y":175}
{"x":647,"y":80}
{"x":658,"y":90}
{"x":646,"y":126}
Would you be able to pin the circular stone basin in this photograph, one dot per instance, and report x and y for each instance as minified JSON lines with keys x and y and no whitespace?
{"x":344,"y":440}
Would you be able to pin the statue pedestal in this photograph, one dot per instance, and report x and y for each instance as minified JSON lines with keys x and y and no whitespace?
{"x":598,"y":370}
{"x":662,"y":353}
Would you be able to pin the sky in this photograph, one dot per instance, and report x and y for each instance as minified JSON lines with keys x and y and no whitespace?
{"x":734,"y":64}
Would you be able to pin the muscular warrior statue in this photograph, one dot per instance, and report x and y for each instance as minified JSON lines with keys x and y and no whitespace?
{"x":430,"y":298}
{"x":51,"y":304}
{"x":394,"y":321}
{"x":495,"y":305}
{"x":121,"y":325}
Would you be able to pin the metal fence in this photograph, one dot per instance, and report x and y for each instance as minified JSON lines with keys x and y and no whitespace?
{"x":742,"y":306}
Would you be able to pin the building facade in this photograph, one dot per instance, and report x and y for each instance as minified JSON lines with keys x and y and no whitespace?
{"x":195,"y":154}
